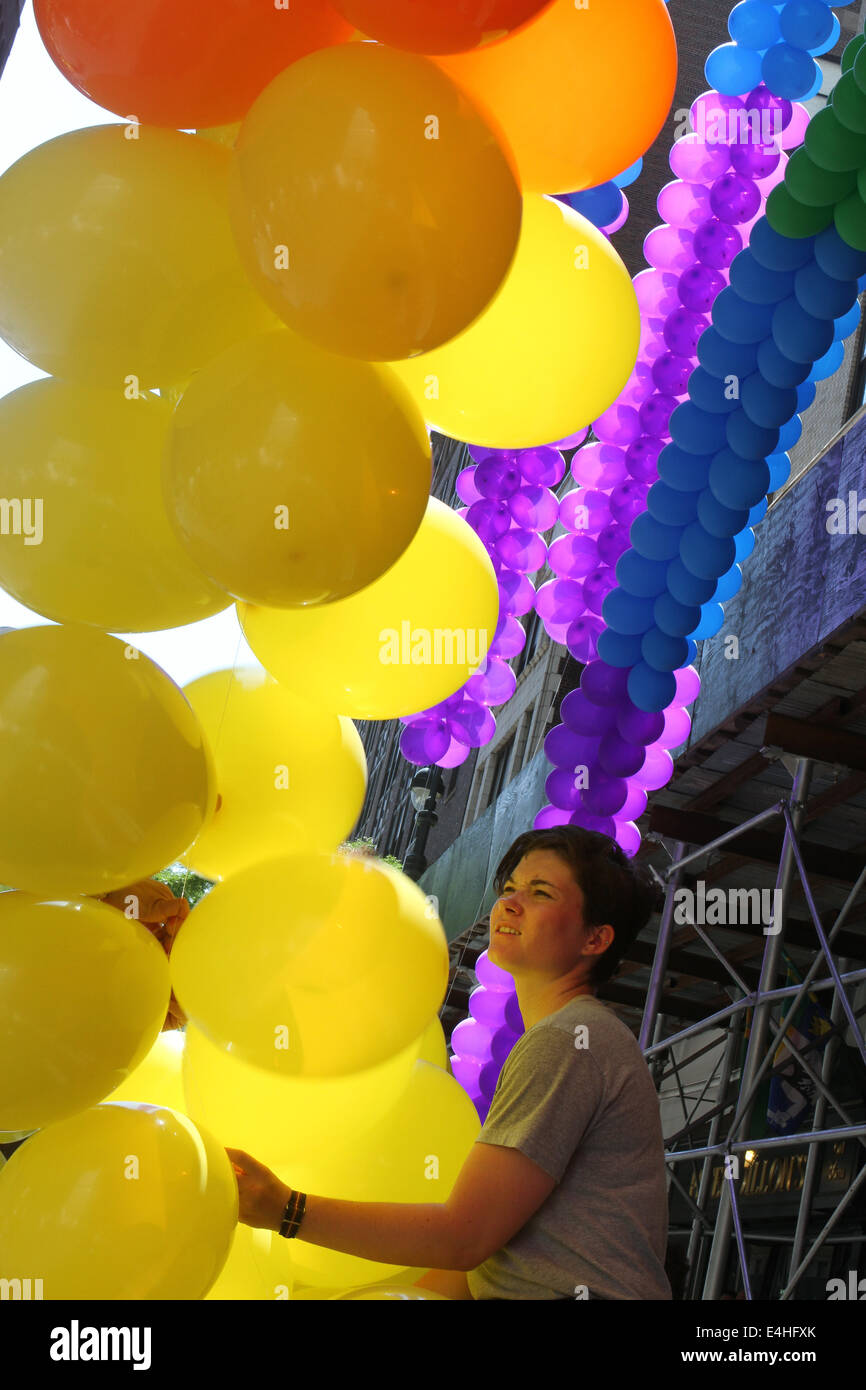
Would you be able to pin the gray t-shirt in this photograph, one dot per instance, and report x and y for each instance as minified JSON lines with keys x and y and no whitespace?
{"x":576,"y":1096}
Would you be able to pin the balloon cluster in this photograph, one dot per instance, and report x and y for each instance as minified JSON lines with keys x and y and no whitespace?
{"x":510,"y":505}
{"x":776,"y":44}
{"x":482,"y":1042}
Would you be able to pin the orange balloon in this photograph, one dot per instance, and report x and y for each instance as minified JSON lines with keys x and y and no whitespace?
{"x":579,"y":93}
{"x":439,"y":26}
{"x":182,"y":63}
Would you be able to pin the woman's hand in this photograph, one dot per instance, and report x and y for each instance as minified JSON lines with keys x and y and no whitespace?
{"x":262,"y":1196}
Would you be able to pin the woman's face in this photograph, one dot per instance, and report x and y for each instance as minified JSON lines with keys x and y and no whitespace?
{"x":537,"y":925}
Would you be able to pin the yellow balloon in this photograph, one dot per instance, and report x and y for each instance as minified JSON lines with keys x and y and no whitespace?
{"x":101,"y":549}
{"x":290,"y":777}
{"x":117,"y":262}
{"x":312,"y":965}
{"x":391,"y":1293}
{"x":280,"y":1119}
{"x":158,"y":1079}
{"x":383,"y":224}
{"x":414,"y":1154}
{"x":434,"y":1048}
{"x":83,"y":995}
{"x":293,"y":476}
{"x":244,"y":1275}
{"x":402,"y":644}
{"x":118,"y":1202}
{"x":104,"y":773}
{"x":550,"y":352}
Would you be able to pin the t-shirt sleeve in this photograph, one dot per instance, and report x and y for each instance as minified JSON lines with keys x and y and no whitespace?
{"x":548,"y":1094}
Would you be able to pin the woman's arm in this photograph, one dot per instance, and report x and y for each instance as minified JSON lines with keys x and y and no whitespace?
{"x":452,"y":1283}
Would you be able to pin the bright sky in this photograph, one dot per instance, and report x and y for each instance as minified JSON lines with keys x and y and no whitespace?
{"x":37,"y":104}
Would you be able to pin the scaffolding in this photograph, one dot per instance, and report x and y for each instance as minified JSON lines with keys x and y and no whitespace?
{"x":725,"y":1127}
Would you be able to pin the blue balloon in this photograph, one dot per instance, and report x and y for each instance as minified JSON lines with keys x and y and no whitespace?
{"x":617,"y":649}
{"x":670,"y":506}
{"x":737,"y":319}
{"x":628,"y":176}
{"x":780,"y":471}
{"x":712,"y":618}
{"x":789,"y":434}
{"x":687,"y":587}
{"x":705,"y":555}
{"x":757,"y":513}
{"x":749,"y":440}
{"x":692,"y":652}
{"x":728,"y":585}
{"x":830,"y":42}
{"x":675,"y":618}
{"x":861,"y":283}
{"x":787,"y":71}
{"x":696,"y":431}
{"x":738,"y":482}
{"x":778,"y":369}
{"x":625,"y":613}
{"x":651,"y":690}
{"x":846,"y":324}
{"x":712,"y":393}
{"x":806,"y":23}
{"x":681,"y":470}
{"x":600,"y":205}
{"x":745,"y":544}
{"x":663,"y":652}
{"x":720,"y":520}
{"x":754,"y":24}
{"x":821,"y":295}
{"x":828,"y":364}
{"x":720,"y":357}
{"x":835,"y":257}
{"x":799,"y":335}
{"x":731,"y":69}
{"x":653,"y":539}
{"x":806,"y":392}
{"x":756,"y":283}
{"x":816,"y":84}
{"x":777,"y":252}
{"x":639,"y":576}
{"x":767,"y":405}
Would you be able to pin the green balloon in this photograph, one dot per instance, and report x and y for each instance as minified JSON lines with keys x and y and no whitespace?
{"x":792,"y":219}
{"x":857,"y":68}
{"x":816,"y":188}
{"x":850,"y":221}
{"x":851,"y":50}
{"x":849,"y":104}
{"x":832,"y":146}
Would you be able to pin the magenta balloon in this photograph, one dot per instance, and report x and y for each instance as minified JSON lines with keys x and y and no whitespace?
{"x":494,"y":685}
{"x":635,"y":803}
{"x":582,"y":638}
{"x":424,"y":742}
{"x":656,"y":291}
{"x":489,"y":520}
{"x":521,"y":549}
{"x":605,"y":795}
{"x":677,"y":728}
{"x":573,"y":557}
{"x":565,"y":749}
{"x":637,"y":725}
{"x":698,"y":161}
{"x":560,"y":601}
{"x":549,"y":817}
{"x":509,"y":638}
{"x":710,"y":116}
{"x":584,"y":717}
{"x":516,"y":593}
{"x":628,"y":500}
{"x":492,"y":976}
{"x":620,"y":220}
{"x":534,"y":507}
{"x":688,"y":685}
{"x":457,"y":753}
{"x":544,"y":465}
{"x":562,"y":790}
{"x":497,"y":478}
{"x":488,"y":1006}
{"x":619,"y":758}
{"x":603,"y":684}
{"x":472,"y":724}
{"x":598,"y":465}
{"x":466,"y":1071}
{"x":683,"y":204}
{"x":572,"y":441}
{"x":618,"y":425}
{"x":597,"y":586}
{"x":795,"y":132}
{"x":584,"y":510}
{"x":472,"y":1039}
{"x":465,"y":486}
{"x":627,"y":837}
{"x":481,"y":453}
{"x":655,"y":414}
{"x":669,"y":248}
{"x":657,"y":770}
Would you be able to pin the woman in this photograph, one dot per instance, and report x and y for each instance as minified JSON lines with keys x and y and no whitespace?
{"x":564,"y":1193}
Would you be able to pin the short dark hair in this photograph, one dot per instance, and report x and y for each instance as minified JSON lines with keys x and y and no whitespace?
{"x":614,"y":888}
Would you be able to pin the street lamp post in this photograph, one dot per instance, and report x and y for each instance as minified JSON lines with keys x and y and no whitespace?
{"x":425,"y":791}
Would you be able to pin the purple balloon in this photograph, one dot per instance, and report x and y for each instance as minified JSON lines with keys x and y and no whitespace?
{"x":492,"y":976}
{"x":671,"y":375}
{"x":509,"y":639}
{"x":599,"y":465}
{"x":573,"y":557}
{"x":795,"y":132}
{"x":656,"y":291}
{"x":755,"y":161}
{"x":612,"y":541}
{"x":710,"y":115}
{"x":503,"y":1040}
{"x":637,"y":725}
{"x":516,"y":593}
{"x":488,"y":1078}
{"x":682,"y":331}
{"x":657,"y":770}
{"x":585,"y":718}
{"x":669,"y":248}
{"x":677,"y":728}
{"x":472,"y":724}
{"x":544,"y":465}
{"x":480,"y":453}
{"x":717,"y":243}
{"x":605,"y":795}
{"x":559,"y":601}
{"x":584,"y":510}
{"x":582,"y":638}
{"x":534,"y":507}
{"x":655,"y":414}
{"x":572,"y":441}
{"x":603,"y":824}
{"x":465,"y":486}
{"x":568,"y":750}
{"x":688,"y":685}
{"x":551,"y":816}
{"x":471,"y":1039}
{"x":562,"y":790}
{"x":627,"y":501}
{"x":521,"y":550}
{"x":699,"y":287}
{"x":734,"y":198}
{"x":635,"y":803}
{"x":696,"y":161}
{"x":627,"y":837}
{"x":597,"y":586}
{"x":761,"y":99}
{"x":457,"y":753}
{"x":424,"y":742}
{"x":489,"y":520}
{"x":603,"y":684}
{"x":619,"y":758}
{"x":494,"y":685}
{"x":497,"y":478}
{"x":618,"y":425}
{"x":683,"y":204}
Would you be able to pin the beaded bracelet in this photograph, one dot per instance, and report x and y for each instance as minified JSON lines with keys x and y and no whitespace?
{"x":293,"y":1215}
